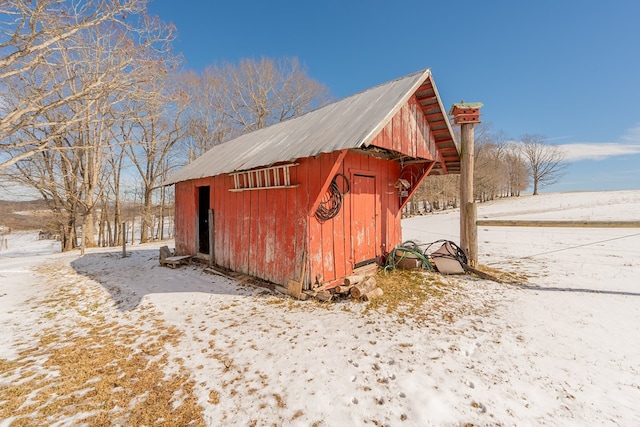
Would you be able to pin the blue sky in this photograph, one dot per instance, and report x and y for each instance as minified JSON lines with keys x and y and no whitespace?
{"x":569,"y":70}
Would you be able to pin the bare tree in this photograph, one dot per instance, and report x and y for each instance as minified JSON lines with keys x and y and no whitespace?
{"x":230,"y":100}
{"x":546,"y":162}
{"x":34,"y":35}
{"x":205,"y":121}
{"x":488,"y":166}
{"x":153,"y":127}
{"x":441,"y":191}
{"x":516,"y":170}
{"x":256,"y":94}
{"x":64,"y":148}
{"x":499,"y":171}
{"x":54,"y":175}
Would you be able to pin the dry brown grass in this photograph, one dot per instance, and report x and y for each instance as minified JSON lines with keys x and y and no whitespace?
{"x":504,"y":276}
{"x":88,"y":371}
{"x":407,"y":291}
{"x":423,"y":297}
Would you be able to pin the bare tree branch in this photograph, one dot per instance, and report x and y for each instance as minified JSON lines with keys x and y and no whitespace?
{"x":38,"y":54}
{"x":60,"y":116}
{"x":230,"y":100}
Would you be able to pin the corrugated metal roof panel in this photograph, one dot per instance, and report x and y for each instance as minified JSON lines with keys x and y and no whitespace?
{"x":350,"y":123}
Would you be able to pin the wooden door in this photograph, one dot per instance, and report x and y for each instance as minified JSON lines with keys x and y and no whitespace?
{"x":363,"y":220}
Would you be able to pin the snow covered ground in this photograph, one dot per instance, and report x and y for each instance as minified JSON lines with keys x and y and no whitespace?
{"x":561,"y":347}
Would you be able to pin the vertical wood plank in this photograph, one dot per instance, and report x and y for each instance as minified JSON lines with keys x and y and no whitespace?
{"x":404,"y":148}
{"x":292,"y":214}
{"x":327,"y":227}
{"x":212,"y":257}
{"x":223,"y":206}
{"x":422,"y":148}
{"x":262,"y":232}
{"x":302,"y":234}
{"x":243,"y":246}
{"x":272,"y":249}
{"x":392,"y":216}
{"x":315,"y":255}
{"x":235,"y":247}
{"x":280,"y":218}
{"x":253,"y":242}
{"x":377,"y":189}
{"x":219,"y":203}
{"x":423,"y":151}
{"x":339,"y":237}
{"x":396,"y":143}
{"x":413,"y":126}
{"x":383,"y":200}
{"x":232,"y":209}
{"x":349,"y":164}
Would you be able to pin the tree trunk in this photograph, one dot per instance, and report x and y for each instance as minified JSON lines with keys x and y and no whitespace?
{"x":147,"y":223}
{"x":161,"y":225}
{"x":89,"y":230}
{"x":101,"y":232}
{"x":68,"y":235}
{"x":109,"y":236}
{"x":117,"y":231}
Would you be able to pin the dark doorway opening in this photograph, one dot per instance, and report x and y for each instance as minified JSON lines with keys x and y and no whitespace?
{"x":203,"y":219}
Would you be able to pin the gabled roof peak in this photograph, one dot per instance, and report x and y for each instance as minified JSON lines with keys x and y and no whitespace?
{"x":351,"y":122}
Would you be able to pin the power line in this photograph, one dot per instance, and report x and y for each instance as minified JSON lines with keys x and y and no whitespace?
{"x":583,"y":245}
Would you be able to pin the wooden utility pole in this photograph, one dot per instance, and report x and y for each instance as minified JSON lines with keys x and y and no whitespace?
{"x":467,"y":115}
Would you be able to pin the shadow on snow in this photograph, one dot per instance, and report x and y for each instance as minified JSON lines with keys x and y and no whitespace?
{"x":583,"y":290}
{"x":129,"y":279}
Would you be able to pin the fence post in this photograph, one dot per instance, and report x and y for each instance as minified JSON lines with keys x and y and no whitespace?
{"x":124,"y":240}
{"x":82,"y":240}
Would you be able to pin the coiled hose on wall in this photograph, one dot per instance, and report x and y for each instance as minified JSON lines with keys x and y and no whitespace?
{"x":330,"y":207}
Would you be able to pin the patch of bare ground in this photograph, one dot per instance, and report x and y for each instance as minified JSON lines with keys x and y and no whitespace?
{"x":94,"y":365}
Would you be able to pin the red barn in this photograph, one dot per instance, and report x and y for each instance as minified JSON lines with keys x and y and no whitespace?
{"x":327,"y":187}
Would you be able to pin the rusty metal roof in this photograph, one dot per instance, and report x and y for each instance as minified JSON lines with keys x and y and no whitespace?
{"x":352,"y":122}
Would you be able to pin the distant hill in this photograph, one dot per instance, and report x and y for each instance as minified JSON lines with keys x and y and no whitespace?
{"x":25,"y":215}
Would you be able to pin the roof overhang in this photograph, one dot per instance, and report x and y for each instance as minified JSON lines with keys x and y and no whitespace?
{"x":428,"y":98}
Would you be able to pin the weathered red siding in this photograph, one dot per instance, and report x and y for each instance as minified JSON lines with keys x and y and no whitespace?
{"x":265,"y":233}
{"x":332,"y":245}
{"x":408,"y":132}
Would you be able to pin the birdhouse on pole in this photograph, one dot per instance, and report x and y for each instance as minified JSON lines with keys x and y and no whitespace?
{"x":466,"y":112}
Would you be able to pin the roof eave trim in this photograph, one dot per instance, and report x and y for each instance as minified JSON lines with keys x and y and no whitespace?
{"x":446,"y":116}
